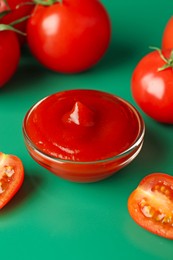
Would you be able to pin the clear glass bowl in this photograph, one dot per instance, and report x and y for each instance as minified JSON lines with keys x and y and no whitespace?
{"x":88,"y":171}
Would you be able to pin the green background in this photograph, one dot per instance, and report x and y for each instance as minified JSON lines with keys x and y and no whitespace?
{"x":50,"y":218}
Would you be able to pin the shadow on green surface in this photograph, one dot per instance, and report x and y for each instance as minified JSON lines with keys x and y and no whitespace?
{"x":148,"y":242}
{"x":150,"y":159}
{"x":154,"y":148}
{"x":118,"y":54}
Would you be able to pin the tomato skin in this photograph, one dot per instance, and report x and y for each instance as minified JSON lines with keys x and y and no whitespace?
{"x":167,"y":38}
{"x":11,"y":177}
{"x":152,"y":89}
{"x":150,"y":204}
{"x":17,"y":12}
{"x":71,"y":36}
{"x":9,"y":55}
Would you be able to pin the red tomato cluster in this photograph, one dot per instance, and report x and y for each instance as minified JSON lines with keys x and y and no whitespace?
{"x":68,"y":36}
{"x":152,"y":80}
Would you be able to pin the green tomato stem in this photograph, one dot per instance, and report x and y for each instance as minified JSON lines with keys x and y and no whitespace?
{"x":168,"y":61}
{"x":8,"y":27}
{"x":47,"y":2}
{"x":20,"y":20}
{"x":2,"y":14}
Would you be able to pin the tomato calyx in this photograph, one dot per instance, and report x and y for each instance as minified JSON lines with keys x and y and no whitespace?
{"x":47,"y":2}
{"x":168,"y":61}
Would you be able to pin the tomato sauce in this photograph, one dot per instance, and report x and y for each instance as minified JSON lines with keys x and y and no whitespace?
{"x":82,"y":125}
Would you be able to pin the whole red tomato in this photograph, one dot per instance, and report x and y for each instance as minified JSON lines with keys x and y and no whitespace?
{"x":17,"y":10}
{"x":9,"y":55}
{"x":71,"y":36}
{"x":150,"y":205}
{"x":167,"y":38}
{"x":152,"y":85}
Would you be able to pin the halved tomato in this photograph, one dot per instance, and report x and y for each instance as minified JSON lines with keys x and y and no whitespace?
{"x":11,"y":177}
{"x":151,"y":204}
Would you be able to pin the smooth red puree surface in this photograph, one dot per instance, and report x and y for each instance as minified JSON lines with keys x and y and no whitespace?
{"x":82,"y":125}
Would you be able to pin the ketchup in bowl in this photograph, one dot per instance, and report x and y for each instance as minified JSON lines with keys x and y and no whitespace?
{"x":83,"y":135}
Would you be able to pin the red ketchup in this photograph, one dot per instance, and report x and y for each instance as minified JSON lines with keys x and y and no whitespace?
{"x":83,"y":129}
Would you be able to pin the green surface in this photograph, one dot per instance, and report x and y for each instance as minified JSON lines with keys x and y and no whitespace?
{"x":51,"y":218}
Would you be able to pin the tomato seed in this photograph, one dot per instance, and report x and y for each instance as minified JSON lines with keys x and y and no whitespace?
{"x":149,"y":212}
{"x":6,"y":175}
{"x":164,"y":189}
{"x":159,"y":216}
{"x":8,"y":170}
{"x":168,"y":220}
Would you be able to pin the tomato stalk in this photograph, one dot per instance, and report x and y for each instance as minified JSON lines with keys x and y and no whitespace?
{"x":47,"y":2}
{"x":168,"y":61}
{"x":4,"y":27}
{"x":2,"y":14}
{"x":24,"y":4}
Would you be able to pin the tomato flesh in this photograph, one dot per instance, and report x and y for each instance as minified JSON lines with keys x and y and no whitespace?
{"x":151,"y":204}
{"x":11,"y":177}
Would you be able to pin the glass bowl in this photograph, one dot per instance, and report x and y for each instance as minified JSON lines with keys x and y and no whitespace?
{"x":88,"y":170}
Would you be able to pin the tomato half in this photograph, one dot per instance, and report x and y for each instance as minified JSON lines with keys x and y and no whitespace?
{"x":11,"y":177}
{"x":151,"y":204}
{"x":70,"y":36}
{"x":17,"y":10}
{"x":167,"y":38}
{"x":9,"y":55}
{"x":152,"y":87}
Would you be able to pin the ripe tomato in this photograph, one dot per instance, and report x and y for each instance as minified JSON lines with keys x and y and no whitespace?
{"x":167,"y":38}
{"x":152,"y":88}
{"x":151,"y":204}
{"x":9,"y":55}
{"x":17,"y":10}
{"x":71,"y":36}
{"x":11,"y":177}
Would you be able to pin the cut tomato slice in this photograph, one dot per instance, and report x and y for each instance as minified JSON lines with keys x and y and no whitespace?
{"x":11,"y":177}
{"x":151,"y":204}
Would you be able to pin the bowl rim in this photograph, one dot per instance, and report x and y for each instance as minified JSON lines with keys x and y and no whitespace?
{"x":135,"y":144}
